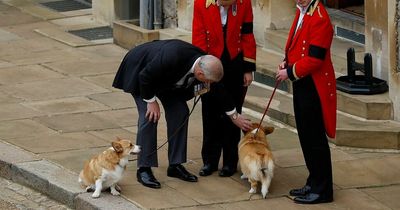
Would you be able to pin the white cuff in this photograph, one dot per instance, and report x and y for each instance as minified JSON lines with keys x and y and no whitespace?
{"x":150,"y":100}
{"x":231,"y":112}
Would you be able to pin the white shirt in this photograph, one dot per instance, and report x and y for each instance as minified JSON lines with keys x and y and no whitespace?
{"x":224,"y":14}
{"x":303,"y":11}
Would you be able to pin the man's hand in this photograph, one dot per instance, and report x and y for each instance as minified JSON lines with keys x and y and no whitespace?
{"x":241,"y":122}
{"x":247,"y":79}
{"x":281,"y":75}
{"x":282,"y":65}
{"x":153,"y":111}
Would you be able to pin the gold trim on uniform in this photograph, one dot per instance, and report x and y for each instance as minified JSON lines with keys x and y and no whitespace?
{"x":294,"y":72}
{"x":313,"y":7}
{"x":249,"y":60}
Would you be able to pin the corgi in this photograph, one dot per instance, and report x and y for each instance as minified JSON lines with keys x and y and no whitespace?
{"x":105,"y":169}
{"x":255,"y":158}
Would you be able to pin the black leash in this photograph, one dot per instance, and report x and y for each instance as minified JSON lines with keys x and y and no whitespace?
{"x":196,"y":100}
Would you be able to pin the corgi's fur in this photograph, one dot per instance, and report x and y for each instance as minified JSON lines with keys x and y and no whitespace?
{"x":105,"y":169}
{"x":255,"y":158}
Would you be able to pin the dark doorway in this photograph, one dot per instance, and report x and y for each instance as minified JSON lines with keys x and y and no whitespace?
{"x":355,"y":7}
{"x":339,"y":4}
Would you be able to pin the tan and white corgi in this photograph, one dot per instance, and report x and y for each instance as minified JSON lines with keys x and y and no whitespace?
{"x":255,"y":158}
{"x":105,"y":169}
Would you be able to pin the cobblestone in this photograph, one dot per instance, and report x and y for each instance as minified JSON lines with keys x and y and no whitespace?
{"x":14,"y":196}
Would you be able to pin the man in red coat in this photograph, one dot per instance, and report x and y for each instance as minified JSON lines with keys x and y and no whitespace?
{"x":224,"y":28}
{"x":308,"y":64}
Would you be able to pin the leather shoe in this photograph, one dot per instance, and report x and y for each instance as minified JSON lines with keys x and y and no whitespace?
{"x":207,"y":170}
{"x":301,"y":191}
{"x":227,"y":171}
{"x":313,"y":198}
{"x":178,"y":171}
{"x":145,"y":177}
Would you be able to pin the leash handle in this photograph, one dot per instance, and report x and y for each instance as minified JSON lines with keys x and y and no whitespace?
{"x":269,"y":102}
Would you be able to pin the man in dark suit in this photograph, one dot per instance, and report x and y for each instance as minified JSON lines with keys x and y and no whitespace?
{"x":162,"y":69}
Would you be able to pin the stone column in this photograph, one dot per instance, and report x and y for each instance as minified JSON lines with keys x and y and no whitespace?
{"x":170,"y":14}
{"x":107,"y":11}
{"x":394,"y":49}
{"x":376,"y":36}
{"x":271,"y":15}
{"x":185,"y":14}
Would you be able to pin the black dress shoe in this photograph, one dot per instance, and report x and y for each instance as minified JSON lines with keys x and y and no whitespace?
{"x":313,"y":198}
{"x":178,"y":171}
{"x":301,"y":191}
{"x":145,"y":177}
{"x":207,"y":170}
{"x":227,"y":171}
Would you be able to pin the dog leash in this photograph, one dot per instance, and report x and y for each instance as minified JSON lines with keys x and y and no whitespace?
{"x":196,"y":100}
{"x":269,"y":102}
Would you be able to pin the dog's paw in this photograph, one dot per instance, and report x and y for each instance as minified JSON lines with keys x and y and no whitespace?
{"x":264,"y":194}
{"x":252,"y":190}
{"x":96,"y":195}
{"x":89,"y":189}
{"x":114,"y":192}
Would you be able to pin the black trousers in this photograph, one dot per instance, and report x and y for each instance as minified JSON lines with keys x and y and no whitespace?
{"x":220,"y":135}
{"x":176,"y":111}
{"x":313,"y":139}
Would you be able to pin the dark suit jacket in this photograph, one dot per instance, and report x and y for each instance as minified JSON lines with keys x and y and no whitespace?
{"x":153,"y":69}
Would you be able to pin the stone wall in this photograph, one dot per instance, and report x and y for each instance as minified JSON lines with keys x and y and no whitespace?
{"x":394,"y":76}
{"x":107,"y":11}
{"x":376,"y":36}
{"x":170,"y":17}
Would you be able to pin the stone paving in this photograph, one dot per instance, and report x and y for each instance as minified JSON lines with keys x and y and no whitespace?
{"x":14,"y":196}
{"x":57,"y":106}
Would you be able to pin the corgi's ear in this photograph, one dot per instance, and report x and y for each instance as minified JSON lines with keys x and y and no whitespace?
{"x":117,"y":147}
{"x":268,"y":130}
{"x":117,"y":138}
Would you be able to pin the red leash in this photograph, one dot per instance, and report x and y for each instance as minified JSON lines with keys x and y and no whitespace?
{"x":269,"y":102}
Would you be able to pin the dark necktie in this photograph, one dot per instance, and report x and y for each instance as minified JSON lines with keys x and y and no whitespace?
{"x":188,"y":80}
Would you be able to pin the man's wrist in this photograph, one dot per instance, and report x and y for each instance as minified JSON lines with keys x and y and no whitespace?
{"x":234,"y":116}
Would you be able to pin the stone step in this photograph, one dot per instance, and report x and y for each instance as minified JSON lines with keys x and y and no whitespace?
{"x":371,"y":107}
{"x":351,"y":131}
{"x":348,"y":26}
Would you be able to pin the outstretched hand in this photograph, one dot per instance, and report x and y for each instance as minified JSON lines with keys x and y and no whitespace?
{"x":243,"y":123}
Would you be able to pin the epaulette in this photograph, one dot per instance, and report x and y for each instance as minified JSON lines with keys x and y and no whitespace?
{"x":314,"y":6}
{"x":209,"y":2}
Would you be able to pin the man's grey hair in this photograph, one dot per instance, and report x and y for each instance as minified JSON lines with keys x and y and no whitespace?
{"x":211,"y":67}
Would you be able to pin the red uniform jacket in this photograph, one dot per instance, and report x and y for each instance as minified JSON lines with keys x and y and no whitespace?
{"x":207,"y":31}
{"x":308,"y":53}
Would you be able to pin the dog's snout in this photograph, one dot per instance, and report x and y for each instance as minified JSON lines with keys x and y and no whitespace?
{"x":136,"y":149}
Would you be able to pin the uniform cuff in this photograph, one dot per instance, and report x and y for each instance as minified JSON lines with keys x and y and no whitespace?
{"x":231,"y":112}
{"x":151,"y":100}
{"x":291,"y":72}
{"x":249,"y":65}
